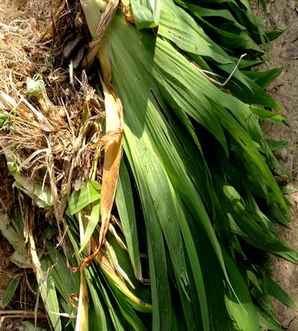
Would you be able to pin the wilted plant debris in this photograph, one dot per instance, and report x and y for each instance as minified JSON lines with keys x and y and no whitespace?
{"x":51,"y":128}
{"x":173,"y":238}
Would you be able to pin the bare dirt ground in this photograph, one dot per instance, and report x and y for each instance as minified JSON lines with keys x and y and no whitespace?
{"x":284,"y":53}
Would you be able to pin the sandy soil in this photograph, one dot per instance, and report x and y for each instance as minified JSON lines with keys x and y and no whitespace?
{"x":284,"y":53}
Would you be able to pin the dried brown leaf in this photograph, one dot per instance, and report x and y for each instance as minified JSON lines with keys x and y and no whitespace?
{"x":112,"y":158}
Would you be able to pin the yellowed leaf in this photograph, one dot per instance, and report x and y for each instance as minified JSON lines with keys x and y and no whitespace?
{"x":112,"y":157}
{"x":82,"y":321}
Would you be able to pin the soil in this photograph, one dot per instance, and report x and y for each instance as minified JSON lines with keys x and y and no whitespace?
{"x":284,"y":53}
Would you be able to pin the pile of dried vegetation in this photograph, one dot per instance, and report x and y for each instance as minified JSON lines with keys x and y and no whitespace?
{"x":51,"y":136}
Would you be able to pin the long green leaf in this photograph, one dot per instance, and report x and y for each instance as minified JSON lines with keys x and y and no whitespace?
{"x":126,"y":209}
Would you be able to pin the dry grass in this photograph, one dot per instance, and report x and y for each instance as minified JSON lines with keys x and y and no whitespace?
{"x":46,"y":134}
{"x":16,"y":38}
{"x":52,"y":136}
{"x":51,"y":144}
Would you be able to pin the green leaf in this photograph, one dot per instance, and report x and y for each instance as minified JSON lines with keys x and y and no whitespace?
{"x":224,"y":14}
{"x":278,"y":293}
{"x":239,"y":305}
{"x":66,"y":282}
{"x":232,"y":40}
{"x":264,"y":78}
{"x":126,"y":209}
{"x":10,"y":290}
{"x":179,"y":27}
{"x":153,"y":182}
{"x":268,"y":322}
{"x":268,"y":115}
{"x":93,"y":219}
{"x":143,"y":161}
{"x":146,"y":12}
{"x":88,"y":193}
{"x":117,"y":323}
{"x":272,"y":35}
{"x":276,"y":145}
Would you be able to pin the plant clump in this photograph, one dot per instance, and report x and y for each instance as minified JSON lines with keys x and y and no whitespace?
{"x":145,"y":191}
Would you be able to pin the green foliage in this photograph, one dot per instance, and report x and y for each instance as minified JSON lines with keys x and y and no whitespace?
{"x":88,"y":193}
{"x":146,"y":12}
{"x":10,"y":291}
{"x":197,"y":197}
{"x":198,"y":158}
